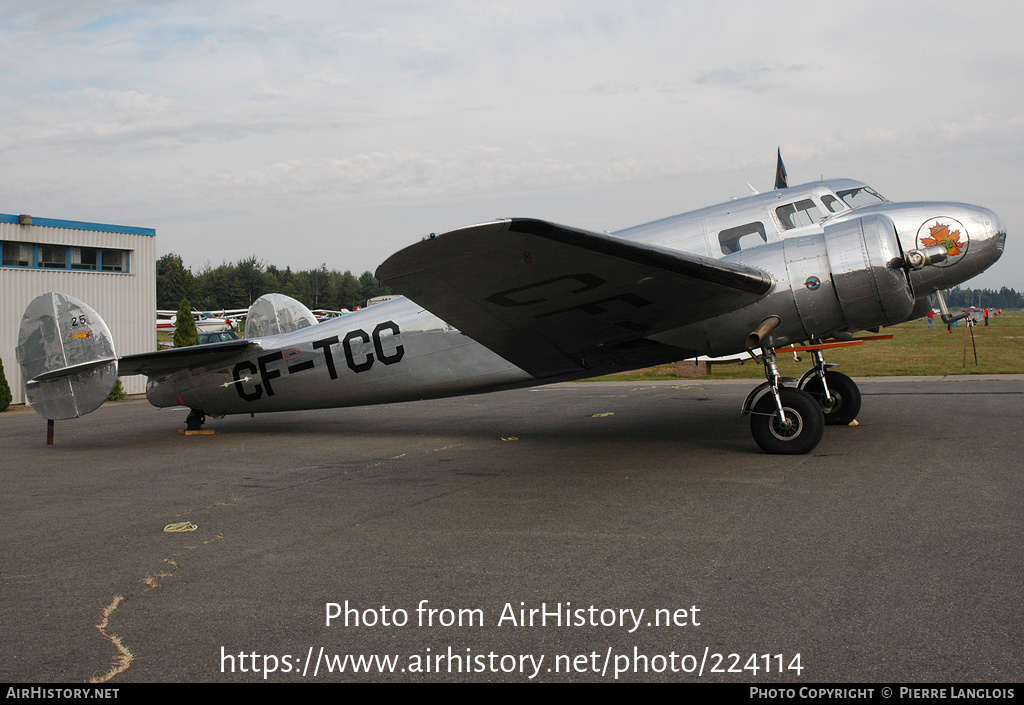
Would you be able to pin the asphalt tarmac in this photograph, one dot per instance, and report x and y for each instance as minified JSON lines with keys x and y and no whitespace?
{"x":891,"y":553}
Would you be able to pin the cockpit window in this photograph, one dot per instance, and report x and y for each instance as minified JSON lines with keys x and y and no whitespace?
{"x":863,"y":196}
{"x":742,"y":237}
{"x":799,"y":214}
{"x":833,"y":204}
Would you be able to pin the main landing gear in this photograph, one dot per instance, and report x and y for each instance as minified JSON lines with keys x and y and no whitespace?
{"x":783,"y":420}
{"x":790,"y":420}
{"x":836,"y":393}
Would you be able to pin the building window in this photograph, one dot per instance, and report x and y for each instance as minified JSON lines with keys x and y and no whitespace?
{"x":53,"y":256}
{"x":84,"y":258}
{"x":115,"y":261}
{"x":18,"y":254}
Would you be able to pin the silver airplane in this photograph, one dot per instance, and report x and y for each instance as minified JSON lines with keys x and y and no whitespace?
{"x":520,"y":302}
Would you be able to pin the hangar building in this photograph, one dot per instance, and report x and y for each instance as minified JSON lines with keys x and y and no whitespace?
{"x":110,"y":267}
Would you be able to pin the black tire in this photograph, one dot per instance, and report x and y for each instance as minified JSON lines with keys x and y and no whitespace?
{"x":845,"y":395}
{"x":803,"y":413}
{"x":195,"y":420}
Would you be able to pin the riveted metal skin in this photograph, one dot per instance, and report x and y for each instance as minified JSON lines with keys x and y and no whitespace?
{"x":848,"y":277}
{"x":867,"y":272}
{"x":812,"y":289}
{"x":517,"y":302}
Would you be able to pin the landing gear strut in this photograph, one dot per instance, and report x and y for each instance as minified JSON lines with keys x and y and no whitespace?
{"x":195,"y":420}
{"x":783,"y":420}
{"x":836,"y":393}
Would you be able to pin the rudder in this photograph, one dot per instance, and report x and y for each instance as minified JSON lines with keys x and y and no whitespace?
{"x":66,"y":355}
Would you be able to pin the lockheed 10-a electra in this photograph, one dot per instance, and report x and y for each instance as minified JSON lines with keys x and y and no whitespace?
{"x":520,"y":302}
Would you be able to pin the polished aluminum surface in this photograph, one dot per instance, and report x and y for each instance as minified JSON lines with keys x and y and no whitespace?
{"x":67,"y":356}
{"x":525,"y":301}
{"x":394,"y":351}
{"x":867,"y":271}
{"x":531,"y":301}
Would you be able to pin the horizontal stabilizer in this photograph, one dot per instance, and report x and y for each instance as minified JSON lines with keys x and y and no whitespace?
{"x":165,"y":362}
{"x":78,"y":369}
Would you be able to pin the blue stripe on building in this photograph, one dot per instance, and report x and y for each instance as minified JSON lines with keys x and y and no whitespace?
{"x":79,"y":225}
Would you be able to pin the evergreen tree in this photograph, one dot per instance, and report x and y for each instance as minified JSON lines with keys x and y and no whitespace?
{"x":346,"y":289}
{"x":370,"y":287}
{"x":958,"y":297}
{"x":319,"y":287}
{"x":5,"y":389}
{"x":185,"y":331}
{"x":173,"y":281}
{"x":219,"y":287}
{"x":117,"y":393}
{"x":252,"y":280}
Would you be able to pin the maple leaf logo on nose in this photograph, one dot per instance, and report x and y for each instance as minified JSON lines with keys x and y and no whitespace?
{"x":940,"y":235}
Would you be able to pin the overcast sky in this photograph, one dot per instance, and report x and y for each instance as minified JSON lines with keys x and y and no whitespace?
{"x":313,"y":132}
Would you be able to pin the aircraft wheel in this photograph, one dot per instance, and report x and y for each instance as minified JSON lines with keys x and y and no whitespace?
{"x":806,"y":423}
{"x":195,"y":420}
{"x":845,"y":397}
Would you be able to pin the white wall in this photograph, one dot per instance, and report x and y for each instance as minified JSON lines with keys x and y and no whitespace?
{"x":127,"y":302}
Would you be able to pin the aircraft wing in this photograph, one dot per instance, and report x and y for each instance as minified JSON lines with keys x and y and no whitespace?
{"x":163,"y":362}
{"x":544,"y":296}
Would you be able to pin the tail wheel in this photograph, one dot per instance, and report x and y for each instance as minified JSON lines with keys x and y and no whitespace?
{"x":195,"y":420}
{"x":803,"y":427}
{"x":845,"y":397}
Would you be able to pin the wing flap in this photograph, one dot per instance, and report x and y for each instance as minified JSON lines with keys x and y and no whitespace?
{"x":547,"y":297}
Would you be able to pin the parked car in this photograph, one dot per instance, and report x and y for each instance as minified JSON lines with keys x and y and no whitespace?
{"x":217,"y":337}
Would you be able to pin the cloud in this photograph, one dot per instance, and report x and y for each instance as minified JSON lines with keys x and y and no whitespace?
{"x":731,"y":77}
{"x":52,"y":16}
{"x":181,"y":108}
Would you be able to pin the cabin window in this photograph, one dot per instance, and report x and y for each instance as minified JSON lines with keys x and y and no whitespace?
{"x":863,"y":196}
{"x":833,"y":204}
{"x":799,"y":214}
{"x":18,"y":254}
{"x":742,"y":237}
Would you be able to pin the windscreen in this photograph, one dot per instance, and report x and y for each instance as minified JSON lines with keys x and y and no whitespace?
{"x":862,"y":196}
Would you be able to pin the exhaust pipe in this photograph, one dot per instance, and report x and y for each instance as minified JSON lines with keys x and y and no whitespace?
{"x":762,"y":331}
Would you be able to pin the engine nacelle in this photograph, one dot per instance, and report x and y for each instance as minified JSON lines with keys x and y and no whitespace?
{"x":868,"y":272}
{"x":850,"y":277}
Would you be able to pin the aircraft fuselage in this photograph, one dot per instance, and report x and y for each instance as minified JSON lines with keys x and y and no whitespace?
{"x":393,"y":351}
{"x":397,"y":351}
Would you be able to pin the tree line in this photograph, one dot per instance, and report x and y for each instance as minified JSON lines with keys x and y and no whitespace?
{"x":984,"y":298}
{"x":238,"y":285}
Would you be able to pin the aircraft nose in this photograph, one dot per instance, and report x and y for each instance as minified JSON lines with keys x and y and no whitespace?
{"x":987,"y":242}
{"x":996,"y":229}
